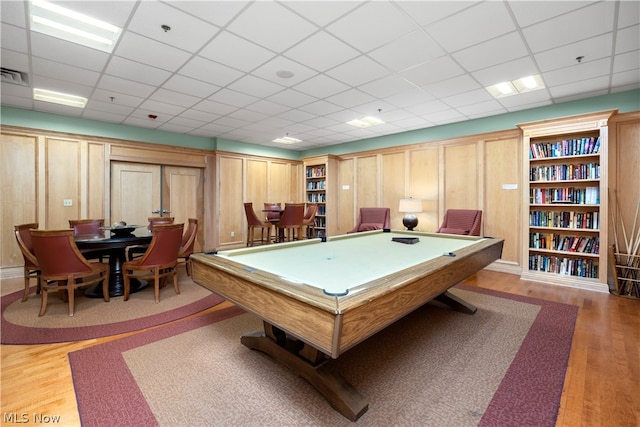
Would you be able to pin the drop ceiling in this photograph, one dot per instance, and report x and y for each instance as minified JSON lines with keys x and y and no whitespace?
{"x":257,"y":71}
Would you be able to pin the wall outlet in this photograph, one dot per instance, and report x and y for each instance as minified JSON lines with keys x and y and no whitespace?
{"x":67,"y":202}
{"x":233,"y":234}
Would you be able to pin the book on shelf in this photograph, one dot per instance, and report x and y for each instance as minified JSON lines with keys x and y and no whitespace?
{"x":564,"y":148}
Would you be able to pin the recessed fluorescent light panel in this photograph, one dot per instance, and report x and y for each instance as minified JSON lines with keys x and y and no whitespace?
{"x":287,"y":140}
{"x":59,"y":98}
{"x":53,"y":20}
{"x":365,"y":122}
{"x":515,"y":87}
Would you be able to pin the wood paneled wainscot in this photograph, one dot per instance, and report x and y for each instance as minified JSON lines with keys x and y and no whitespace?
{"x":253,"y":179}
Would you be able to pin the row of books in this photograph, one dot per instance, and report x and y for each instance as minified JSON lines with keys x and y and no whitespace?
{"x":569,"y":195}
{"x":568,"y":172}
{"x":320,"y":222}
{"x":558,"y":242}
{"x":578,"y":267}
{"x":322,"y":210}
{"x":316,"y":171}
{"x":316,"y":185}
{"x":565,"y":219}
{"x":316,"y":197}
{"x":567,"y":147}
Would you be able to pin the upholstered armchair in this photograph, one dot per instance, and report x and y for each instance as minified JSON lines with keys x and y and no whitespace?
{"x":158,"y":262}
{"x":291,"y":222}
{"x":187,"y":245}
{"x":372,"y":219}
{"x":88,"y":227}
{"x":138,"y":250}
{"x":63,"y":267}
{"x":461,"y":221}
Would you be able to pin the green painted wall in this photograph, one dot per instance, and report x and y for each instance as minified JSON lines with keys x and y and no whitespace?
{"x":623,"y":102}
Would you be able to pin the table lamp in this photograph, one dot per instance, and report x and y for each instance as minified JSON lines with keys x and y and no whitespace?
{"x":410,"y":207}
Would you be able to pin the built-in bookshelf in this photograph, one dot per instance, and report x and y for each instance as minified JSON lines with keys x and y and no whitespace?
{"x":319,"y":181}
{"x":565,"y":223}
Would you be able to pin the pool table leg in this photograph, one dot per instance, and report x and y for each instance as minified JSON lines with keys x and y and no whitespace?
{"x":315,"y":369}
{"x":456,"y":303}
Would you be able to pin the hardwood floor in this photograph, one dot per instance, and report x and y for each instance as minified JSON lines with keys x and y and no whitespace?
{"x":602,"y":383}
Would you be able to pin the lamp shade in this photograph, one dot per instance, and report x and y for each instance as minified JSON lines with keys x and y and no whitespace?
{"x":410,"y":205}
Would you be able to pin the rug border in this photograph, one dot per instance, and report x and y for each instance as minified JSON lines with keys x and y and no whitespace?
{"x":12,"y":334}
{"x":551,"y":364}
{"x":108,"y":356}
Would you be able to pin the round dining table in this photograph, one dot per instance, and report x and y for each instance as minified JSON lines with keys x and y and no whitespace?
{"x":113,"y":246}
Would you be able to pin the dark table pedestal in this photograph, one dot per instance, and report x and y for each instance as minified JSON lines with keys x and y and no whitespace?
{"x":115,"y":249}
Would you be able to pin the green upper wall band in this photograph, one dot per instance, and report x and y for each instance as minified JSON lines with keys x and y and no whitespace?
{"x":624,"y":102}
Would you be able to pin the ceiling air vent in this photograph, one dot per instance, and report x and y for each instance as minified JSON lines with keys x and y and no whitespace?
{"x":15,"y":77}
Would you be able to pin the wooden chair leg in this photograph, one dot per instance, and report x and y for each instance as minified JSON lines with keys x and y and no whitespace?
{"x":72,"y":297}
{"x":43,"y":302}
{"x":156,"y":286}
{"x":105,"y":287}
{"x":175,"y":281}
{"x":26,"y":285}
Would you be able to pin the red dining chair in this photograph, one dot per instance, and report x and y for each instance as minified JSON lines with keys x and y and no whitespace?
{"x":187,"y":245}
{"x":309,"y":220}
{"x":254,"y":223}
{"x":88,"y":227}
{"x":63,"y":267}
{"x":158,"y":262}
{"x":461,"y":221}
{"x":273,"y":212}
{"x":31,"y":267}
{"x":139,"y":250}
{"x":290,"y":221}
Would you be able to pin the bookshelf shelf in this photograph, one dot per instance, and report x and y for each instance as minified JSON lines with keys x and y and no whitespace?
{"x":565,"y":201}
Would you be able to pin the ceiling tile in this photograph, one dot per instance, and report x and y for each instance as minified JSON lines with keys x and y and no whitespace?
{"x":255,"y":86}
{"x":253,"y":25}
{"x":219,"y":13}
{"x":190,"y":86}
{"x":437,"y":70}
{"x":186,"y":33}
{"x":594,"y":20}
{"x":566,"y":56}
{"x":469,"y":27}
{"x":68,"y":53}
{"x":357,"y":30}
{"x":210,"y":72}
{"x":236,"y":52}
{"x":151,"y":52}
{"x":321,"y":86}
{"x":131,"y":70}
{"x":321,"y":52}
{"x":407,"y":51}
{"x":358,"y":71}
{"x":495,"y":51}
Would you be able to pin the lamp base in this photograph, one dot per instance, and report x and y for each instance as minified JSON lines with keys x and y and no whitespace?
{"x":410,"y":221}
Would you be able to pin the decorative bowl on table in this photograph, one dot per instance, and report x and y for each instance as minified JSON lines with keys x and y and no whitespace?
{"x":121,"y":229}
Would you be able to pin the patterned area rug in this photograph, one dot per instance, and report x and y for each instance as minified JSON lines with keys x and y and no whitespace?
{"x":95,"y":318}
{"x":503,"y":366}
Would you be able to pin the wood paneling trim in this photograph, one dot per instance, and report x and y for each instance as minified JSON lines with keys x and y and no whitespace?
{"x":511,"y":133}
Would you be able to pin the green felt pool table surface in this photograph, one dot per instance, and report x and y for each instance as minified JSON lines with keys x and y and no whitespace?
{"x":348,"y":261}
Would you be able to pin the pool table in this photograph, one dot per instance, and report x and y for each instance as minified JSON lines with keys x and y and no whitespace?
{"x":321,"y":297}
